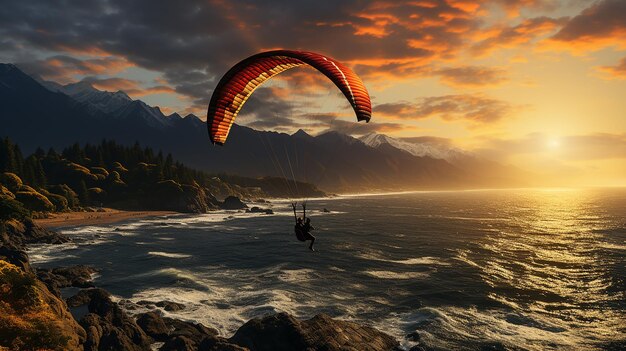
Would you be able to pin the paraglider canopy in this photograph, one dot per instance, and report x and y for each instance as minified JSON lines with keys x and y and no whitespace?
{"x":242,"y":79}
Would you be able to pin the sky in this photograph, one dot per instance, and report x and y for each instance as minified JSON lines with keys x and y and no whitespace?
{"x":537,"y":84}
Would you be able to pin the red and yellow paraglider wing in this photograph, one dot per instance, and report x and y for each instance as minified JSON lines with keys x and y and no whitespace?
{"x":240,"y":82}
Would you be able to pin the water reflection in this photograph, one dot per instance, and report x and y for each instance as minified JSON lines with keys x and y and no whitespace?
{"x":549,"y":260}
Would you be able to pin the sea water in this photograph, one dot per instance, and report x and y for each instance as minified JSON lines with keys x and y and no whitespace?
{"x":466,"y":270}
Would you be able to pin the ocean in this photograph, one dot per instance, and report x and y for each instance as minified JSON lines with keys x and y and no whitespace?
{"x":460,"y":270}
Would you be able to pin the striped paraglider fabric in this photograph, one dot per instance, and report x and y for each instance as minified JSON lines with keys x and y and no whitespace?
{"x":242,"y":79}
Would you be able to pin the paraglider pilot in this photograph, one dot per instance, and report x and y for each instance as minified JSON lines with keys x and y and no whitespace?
{"x":303,"y":226}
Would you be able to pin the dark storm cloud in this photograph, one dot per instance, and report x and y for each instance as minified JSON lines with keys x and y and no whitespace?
{"x":207,"y":37}
{"x":62,"y":68}
{"x":265,"y":111}
{"x":192,"y":43}
{"x":601,"y":20}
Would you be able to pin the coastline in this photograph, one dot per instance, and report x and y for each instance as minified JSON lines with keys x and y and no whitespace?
{"x":107,"y":216}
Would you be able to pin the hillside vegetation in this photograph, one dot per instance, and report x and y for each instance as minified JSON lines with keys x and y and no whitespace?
{"x":117,"y":176}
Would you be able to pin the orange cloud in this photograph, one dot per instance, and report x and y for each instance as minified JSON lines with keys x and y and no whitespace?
{"x":131,"y":87}
{"x":64,"y":69}
{"x":472,"y":76}
{"x":475,"y":108}
{"x":614,"y":72}
{"x":514,"y":36}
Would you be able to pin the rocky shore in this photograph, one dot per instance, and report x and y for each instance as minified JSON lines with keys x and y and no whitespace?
{"x":34,"y":314}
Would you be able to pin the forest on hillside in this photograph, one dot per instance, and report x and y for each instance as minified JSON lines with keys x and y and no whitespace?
{"x":125,"y":177}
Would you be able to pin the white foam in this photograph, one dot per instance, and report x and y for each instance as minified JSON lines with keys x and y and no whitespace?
{"x":220,"y":305}
{"x":168,"y":254}
{"x":424,"y":260}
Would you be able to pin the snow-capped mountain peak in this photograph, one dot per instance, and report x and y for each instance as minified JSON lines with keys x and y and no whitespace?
{"x":420,"y":149}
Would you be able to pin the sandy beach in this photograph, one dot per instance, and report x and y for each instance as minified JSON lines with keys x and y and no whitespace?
{"x":108,"y":216}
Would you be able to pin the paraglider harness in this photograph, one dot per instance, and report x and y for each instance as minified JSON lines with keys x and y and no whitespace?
{"x":299,"y":228}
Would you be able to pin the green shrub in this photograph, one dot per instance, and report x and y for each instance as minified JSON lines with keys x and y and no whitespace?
{"x":27,"y":188}
{"x":11,"y":181}
{"x":59,"y":201}
{"x":34,"y":201}
{"x":67,"y":192}
{"x":6,"y":192}
{"x":99,"y":170}
{"x":119,"y":167}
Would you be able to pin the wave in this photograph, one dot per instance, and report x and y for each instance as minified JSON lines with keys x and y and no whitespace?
{"x":396,"y":275}
{"x":424,"y":260}
{"x":168,"y":254}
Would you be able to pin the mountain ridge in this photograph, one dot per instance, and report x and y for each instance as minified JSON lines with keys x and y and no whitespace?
{"x":37,"y":115}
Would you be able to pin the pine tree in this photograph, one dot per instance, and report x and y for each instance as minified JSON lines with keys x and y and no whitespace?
{"x":83,"y":193}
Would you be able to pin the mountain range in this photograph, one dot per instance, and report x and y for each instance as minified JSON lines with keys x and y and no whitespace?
{"x":37,"y":113}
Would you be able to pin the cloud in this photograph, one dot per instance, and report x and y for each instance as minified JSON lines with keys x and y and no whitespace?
{"x":513,"y":36}
{"x":471,"y":76}
{"x":361,"y":128}
{"x":615,"y":72}
{"x":601,"y":25}
{"x":131,"y":87}
{"x":65,"y":69}
{"x":475,"y":108}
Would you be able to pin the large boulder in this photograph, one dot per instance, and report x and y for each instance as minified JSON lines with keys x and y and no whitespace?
{"x":154,"y":326}
{"x":63,"y":277}
{"x":233,"y":203}
{"x":177,"y":334}
{"x":16,"y":234}
{"x":108,"y":327}
{"x":283,"y":332}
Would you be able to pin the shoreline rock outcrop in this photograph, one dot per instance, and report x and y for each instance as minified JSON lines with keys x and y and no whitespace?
{"x":233,"y":203}
{"x":47,"y":323}
{"x":283,"y":332}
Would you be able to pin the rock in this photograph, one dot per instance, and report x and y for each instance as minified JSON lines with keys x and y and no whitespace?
{"x":80,"y":299}
{"x":257,"y":209}
{"x":283,"y":332}
{"x":414,"y":336}
{"x":193,"y":331}
{"x":153,"y":325}
{"x":233,"y":203}
{"x":16,"y":257}
{"x":63,"y":277}
{"x":108,"y":327}
{"x":417,"y":348}
{"x":219,"y":344}
{"x":16,"y":234}
{"x":177,"y":334}
{"x":179,"y":343}
{"x":170,"y":306}
{"x":326,"y":210}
